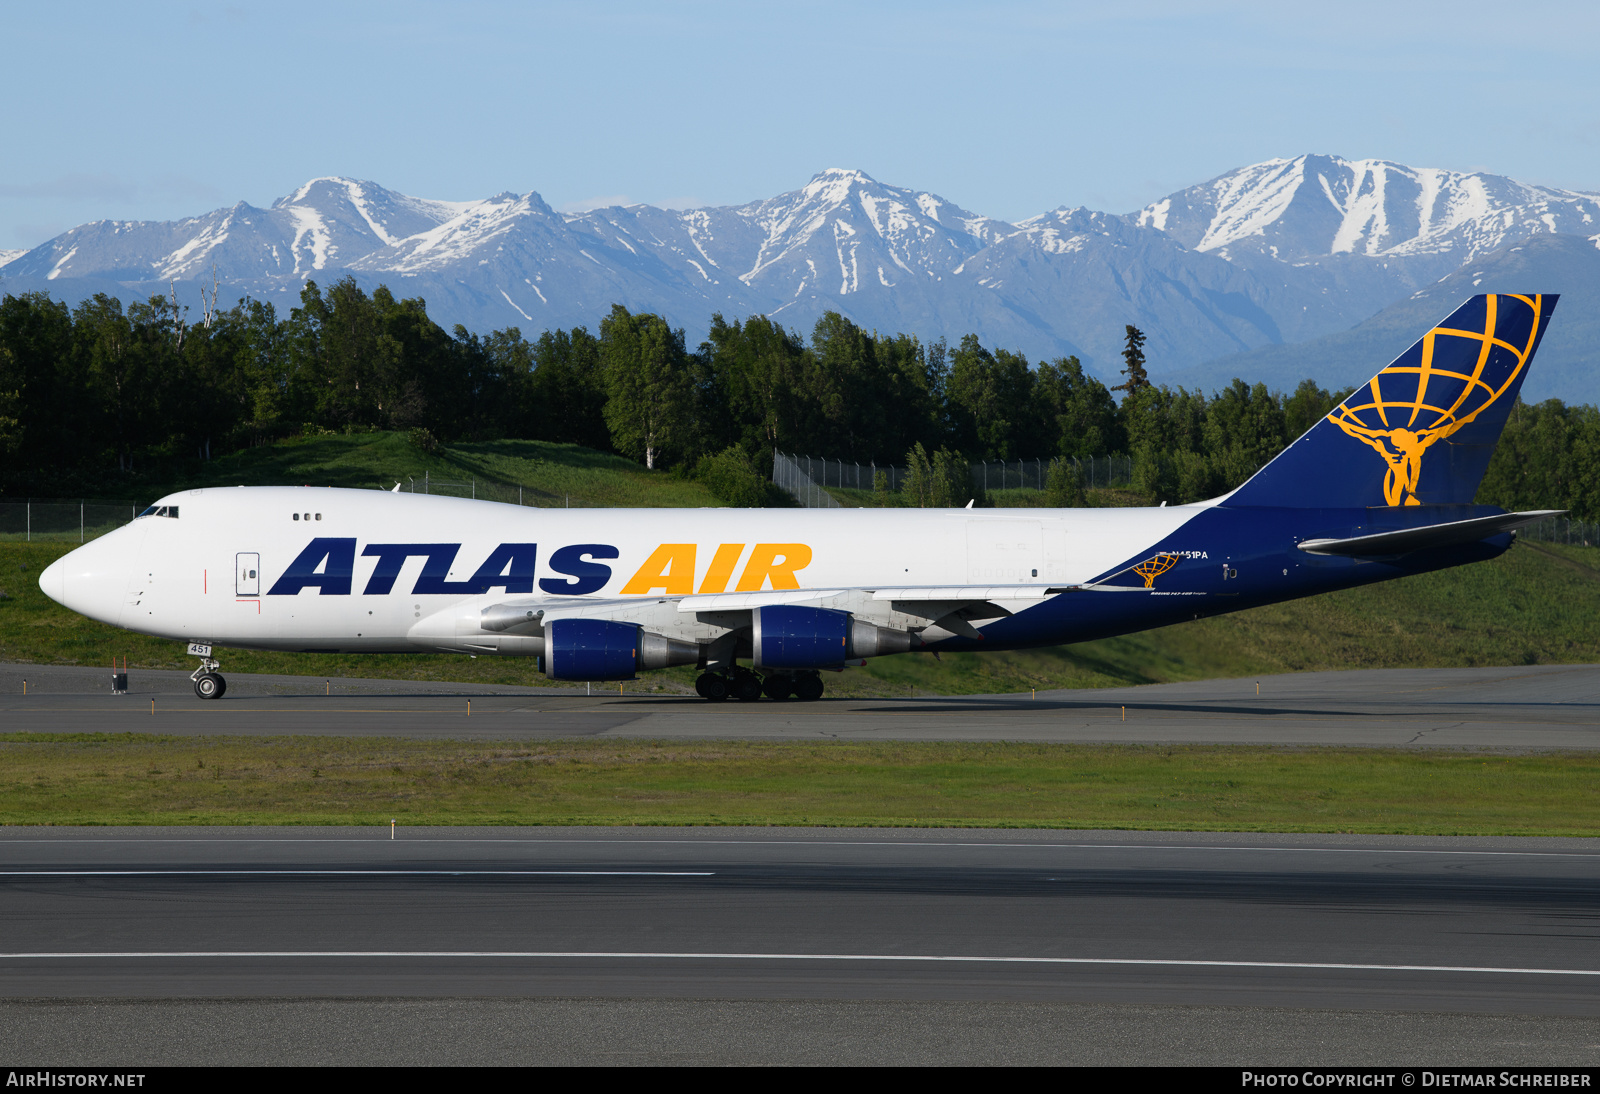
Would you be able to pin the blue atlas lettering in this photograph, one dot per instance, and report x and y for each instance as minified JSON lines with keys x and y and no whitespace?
{"x":583,"y":576}
{"x":325,"y":565}
{"x":509,"y":566}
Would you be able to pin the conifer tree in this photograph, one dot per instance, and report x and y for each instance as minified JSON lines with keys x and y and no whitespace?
{"x":1133,"y":358}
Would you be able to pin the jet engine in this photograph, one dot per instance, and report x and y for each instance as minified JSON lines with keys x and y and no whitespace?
{"x":605,"y":649}
{"x":784,"y":636}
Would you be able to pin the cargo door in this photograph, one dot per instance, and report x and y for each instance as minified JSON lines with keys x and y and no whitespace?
{"x":1005,"y":552}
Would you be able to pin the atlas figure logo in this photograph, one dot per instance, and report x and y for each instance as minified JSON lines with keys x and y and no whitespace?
{"x":1413,"y":405}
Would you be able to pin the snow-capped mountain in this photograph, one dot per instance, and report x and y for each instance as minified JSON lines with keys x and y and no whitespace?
{"x":327,"y":223}
{"x":1363,"y":233}
{"x":1314,"y":206}
{"x":1277,"y":252}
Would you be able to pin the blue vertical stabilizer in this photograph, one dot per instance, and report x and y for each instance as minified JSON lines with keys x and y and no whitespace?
{"x":1421,"y":431}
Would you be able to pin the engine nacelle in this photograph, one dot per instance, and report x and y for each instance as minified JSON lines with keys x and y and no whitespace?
{"x":605,"y":649}
{"x":785,"y":636}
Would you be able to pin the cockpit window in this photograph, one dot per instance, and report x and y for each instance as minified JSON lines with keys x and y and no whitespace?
{"x":161,"y":511}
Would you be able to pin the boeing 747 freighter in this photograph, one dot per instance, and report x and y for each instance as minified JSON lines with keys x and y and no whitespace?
{"x":764,"y":600}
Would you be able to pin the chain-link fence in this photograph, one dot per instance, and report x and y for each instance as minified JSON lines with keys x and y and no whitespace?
{"x":809,"y":479}
{"x":54,"y":520}
{"x":799,"y":476}
{"x":1095,"y":472}
{"x":1573,"y":533}
{"x":509,"y":493}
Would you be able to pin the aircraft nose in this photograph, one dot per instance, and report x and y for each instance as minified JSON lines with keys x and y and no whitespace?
{"x":93,"y":579}
{"x":52,"y":581}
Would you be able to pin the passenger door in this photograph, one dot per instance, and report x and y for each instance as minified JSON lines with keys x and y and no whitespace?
{"x":247,"y":574}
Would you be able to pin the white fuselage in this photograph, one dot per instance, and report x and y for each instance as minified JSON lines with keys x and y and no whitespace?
{"x":209,"y":574}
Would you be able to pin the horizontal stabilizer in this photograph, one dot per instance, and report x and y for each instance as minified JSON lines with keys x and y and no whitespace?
{"x":970,"y":592}
{"x":1433,"y":535}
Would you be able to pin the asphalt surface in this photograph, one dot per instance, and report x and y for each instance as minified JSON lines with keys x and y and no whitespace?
{"x":730,"y":945}
{"x":595,"y":946}
{"x":1527,"y":707}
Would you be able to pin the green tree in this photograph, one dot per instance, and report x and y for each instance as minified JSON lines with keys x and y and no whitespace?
{"x":1133,"y":362}
{"x":990,"y":397}
{"x":733,"y":477}
{"x":1244,"y":427}
{"x":1063,"y":487}
{"x":758,"y":373}
{"x":943,"y":481}
{"x":650,"y":383}
{"x":1080,"y":416}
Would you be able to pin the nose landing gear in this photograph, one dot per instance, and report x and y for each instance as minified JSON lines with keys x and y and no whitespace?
{"x":208,"y":682}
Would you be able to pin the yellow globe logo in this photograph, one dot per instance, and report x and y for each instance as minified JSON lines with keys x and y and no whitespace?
{"x":1407,"y":408}
{"x":1152,"y":568}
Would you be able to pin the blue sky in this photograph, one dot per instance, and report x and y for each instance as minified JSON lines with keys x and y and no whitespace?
{"x":159,"y":110}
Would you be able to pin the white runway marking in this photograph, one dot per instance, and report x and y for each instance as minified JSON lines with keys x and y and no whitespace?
{"x":357,"y":873}
{"x":894,"y":958}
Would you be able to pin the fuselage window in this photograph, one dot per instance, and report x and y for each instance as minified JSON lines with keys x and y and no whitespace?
{"x":319,"y":516}
{"x":161,"y":511}
{"x":297,"y":516}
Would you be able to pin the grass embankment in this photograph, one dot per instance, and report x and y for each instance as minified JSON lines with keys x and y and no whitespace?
{"x":136,"y":779}
{"x":551,"y":473}
{"x":1534,"y":605}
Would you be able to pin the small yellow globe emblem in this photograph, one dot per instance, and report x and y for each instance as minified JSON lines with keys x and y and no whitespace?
{"x":1152,"y":568}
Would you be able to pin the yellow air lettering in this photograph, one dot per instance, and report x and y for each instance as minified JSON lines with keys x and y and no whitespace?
{"x":721,"y":571}
{"x":775,"y":563}
{"x":669,"y":568}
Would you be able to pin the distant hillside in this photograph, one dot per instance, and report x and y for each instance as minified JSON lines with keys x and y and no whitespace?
{"x":1566,"y":368}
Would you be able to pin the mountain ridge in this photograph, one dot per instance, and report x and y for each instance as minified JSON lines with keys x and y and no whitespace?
{"x":1283,"y":251}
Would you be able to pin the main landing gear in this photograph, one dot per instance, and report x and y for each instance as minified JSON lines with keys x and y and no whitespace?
{"x":208,"y":682}
{"x":747,"y":687}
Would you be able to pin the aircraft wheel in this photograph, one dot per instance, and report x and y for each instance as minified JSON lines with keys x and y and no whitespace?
{"x":778,"y":687}
{"x":808,"y":689}
{"x":746,"y":688}
{"x":712,"y":686}
{"x":210,"y":686}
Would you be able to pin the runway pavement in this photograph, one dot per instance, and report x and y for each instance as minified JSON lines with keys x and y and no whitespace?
{"x":1525,"y":707}
{"x":795,"y":945}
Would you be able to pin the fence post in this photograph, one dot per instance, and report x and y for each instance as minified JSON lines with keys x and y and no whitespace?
{"x":425,"y":482}
{"x":474,"y":488}
{"x":30,"y":521}
{"x":80,"y":524}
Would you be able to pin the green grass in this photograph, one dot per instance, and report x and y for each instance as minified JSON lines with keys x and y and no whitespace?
{"x":138,"y":779}
{"x":1536,"y":604}
{"x":551,"y":473}
{"x":1016,"y":498}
